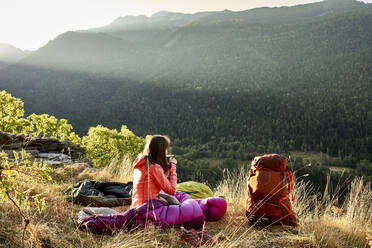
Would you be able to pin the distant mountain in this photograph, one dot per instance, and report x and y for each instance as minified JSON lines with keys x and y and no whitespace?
{"x":82,"y":52}
{"x":195,"y":46}
{"x":298,"y":76}
{"x":10,"y":54}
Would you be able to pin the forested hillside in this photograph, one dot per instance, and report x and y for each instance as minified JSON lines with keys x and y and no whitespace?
{"x":268,"y":79}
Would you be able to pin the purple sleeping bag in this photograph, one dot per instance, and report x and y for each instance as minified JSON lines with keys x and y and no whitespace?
{"x":190,"y":213}
{"x":214,"y":208}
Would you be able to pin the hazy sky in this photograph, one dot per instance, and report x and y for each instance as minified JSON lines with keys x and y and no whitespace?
{"x":29,"y":24}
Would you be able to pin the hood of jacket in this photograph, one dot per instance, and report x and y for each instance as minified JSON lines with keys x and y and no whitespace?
{"x":139,"y":162}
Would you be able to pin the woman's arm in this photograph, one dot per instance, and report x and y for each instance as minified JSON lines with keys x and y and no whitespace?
{"x":159,"y":178}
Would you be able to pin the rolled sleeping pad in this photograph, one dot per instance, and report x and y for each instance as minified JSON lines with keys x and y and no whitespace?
{"x":195,"y":189}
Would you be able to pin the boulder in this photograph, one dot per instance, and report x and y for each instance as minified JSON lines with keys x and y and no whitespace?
{"x":5,"y":139}
{"x":52,"y":151}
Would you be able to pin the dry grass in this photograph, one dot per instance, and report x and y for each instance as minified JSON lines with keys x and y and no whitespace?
{"x":318,"y":225}
{"x":118,"y":171}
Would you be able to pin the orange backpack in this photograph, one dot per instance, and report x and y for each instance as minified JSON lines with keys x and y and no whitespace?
{"x":270,"y":184}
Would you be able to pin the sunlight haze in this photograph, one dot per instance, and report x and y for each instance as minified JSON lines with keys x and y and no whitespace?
{"x":31,"y":24}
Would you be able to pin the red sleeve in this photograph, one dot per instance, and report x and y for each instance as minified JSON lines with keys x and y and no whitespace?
{"x":159,"y":178}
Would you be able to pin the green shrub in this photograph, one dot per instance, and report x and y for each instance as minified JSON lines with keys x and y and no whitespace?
{"x":51,"y":126}
{"x":11,"y":113}
{"x":104,"y":144}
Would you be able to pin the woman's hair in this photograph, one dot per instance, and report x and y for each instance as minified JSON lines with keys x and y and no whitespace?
{"x":155,"y":150}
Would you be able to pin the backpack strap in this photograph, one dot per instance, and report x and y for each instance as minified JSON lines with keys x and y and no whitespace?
{"x":290,"y":183}
{"x":289,"y":177}
{"x":292,"y":218}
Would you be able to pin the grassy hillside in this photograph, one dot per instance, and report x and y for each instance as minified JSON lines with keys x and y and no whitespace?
{"x":321,"y":223}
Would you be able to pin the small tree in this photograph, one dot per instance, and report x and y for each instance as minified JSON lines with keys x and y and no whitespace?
{"x":15,"y":178}
{"x":11,"y":113}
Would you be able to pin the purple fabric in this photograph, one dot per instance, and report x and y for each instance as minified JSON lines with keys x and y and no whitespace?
{"x":181,"y":196}
{"x":108,"y":223}
{"x":190,"y":213}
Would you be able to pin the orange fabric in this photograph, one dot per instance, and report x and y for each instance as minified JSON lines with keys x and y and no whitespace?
{"x":272,"y":161}
{"x":267,"y":183}
{"x":147,"y":187}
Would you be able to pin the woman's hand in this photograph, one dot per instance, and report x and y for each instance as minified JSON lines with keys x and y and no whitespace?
{"x":173,"y":160}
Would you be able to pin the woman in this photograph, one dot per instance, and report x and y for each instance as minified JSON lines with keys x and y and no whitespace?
{"x":151,"y":171}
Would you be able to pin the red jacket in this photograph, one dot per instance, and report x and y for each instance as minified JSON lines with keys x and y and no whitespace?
{"x":145,"y":189}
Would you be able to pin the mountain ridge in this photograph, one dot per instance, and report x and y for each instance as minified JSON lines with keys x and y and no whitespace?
{"x":200,"y":15}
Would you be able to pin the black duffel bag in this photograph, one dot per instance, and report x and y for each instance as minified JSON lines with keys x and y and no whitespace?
{"x":100,"y":194}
